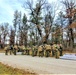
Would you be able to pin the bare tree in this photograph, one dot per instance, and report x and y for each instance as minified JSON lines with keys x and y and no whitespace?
{"x":16,"y":23}
{"x":49,"y":19}
{"x":12,"y":35}
{"x":69,"y":7}
{"x":25,"y":29}
{"x":4,"y":32}
{"x":36,"y":13}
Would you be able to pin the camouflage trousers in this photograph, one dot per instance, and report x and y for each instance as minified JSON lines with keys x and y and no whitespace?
{"x":61,"y":52}
{"x":47,"y":53}
{"x":41,"y":53}
{"x":34,"y":52}
{"x":11,"y":52}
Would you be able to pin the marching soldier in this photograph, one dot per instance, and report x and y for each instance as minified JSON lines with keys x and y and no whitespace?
{"x":34,"y":51}
{"x":11,"y":49}
{"x":47,"y":50}
{"x":52,"y":51}
{"x":15,"y":49}
{"x":40,"y":51}
{"x":6,"y":50}
{"x":55,"y":50}
{"x":27,"y":50}
{"x":60,"y":49}
{"x":22,"y":49}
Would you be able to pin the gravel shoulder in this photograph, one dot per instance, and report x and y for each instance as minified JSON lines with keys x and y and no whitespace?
{"x":39,"y":65}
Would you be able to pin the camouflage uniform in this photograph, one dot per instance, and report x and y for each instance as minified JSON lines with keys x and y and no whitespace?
{"x":55,"y":50}
{"x":40,"y":51}
{"x":47,"y":50}
{"x":57,"y":53}
{"x":34,"y":51}
{"x":6,"y":50}
{"x":15,"y":49}
{"x":60,"y":49}
{"x":11,"y":49}
{"x":19,"y":48}
{"x":27,"y":50}
{"x":23,"y":49}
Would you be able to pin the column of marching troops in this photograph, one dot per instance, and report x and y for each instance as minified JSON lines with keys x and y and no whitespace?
{"x":47,"y":50}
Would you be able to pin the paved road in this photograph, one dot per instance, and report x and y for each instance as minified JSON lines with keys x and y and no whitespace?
{"x":40,"y":65}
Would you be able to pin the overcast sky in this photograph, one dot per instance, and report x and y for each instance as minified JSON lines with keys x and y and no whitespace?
{"x":7,"y":8}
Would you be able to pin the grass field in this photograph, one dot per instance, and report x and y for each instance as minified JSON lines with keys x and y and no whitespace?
{"x":7,"y":70}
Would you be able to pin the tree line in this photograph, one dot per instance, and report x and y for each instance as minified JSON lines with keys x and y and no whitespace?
{"x":46,"y":24}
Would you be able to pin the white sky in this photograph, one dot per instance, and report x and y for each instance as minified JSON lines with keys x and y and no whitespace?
{"x":7,"y":8}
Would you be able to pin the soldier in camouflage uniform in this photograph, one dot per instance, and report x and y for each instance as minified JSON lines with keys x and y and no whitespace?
{"x":6,"y":50}
{"x":28,"y":50}
{"x":15,"y":49}
{"x":47,"y":50}
{"x":40,"y":51}
{"x":52,"y":51}
{"x":22,"y":49}
{"x":34,"y":51}
{"x":56,"y":51}
{"x":60,"y":49}
{"x":9,"y":49}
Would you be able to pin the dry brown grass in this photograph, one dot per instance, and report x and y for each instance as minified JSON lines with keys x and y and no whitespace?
{"x":2,"y":50}
{"x":8,"y":70}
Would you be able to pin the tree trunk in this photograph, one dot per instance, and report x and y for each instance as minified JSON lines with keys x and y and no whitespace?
{"x":71,"y":38}
{"x":71,"y":34}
